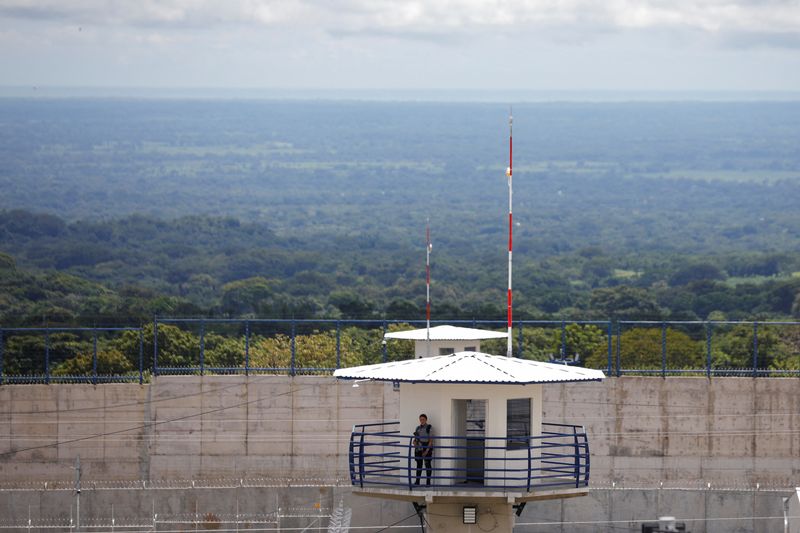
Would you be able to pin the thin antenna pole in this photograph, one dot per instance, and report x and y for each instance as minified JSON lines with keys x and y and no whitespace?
{"x":428,"y":248}
{"x":509,"y":173}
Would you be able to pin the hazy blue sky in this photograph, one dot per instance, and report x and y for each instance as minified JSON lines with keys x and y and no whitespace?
{"x":441,"y":44}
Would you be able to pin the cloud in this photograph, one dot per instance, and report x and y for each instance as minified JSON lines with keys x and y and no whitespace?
{"x":438,"y":20}
{"x":435,"y":37}
{"x":192,"y":13}
{"x":762,"y":40}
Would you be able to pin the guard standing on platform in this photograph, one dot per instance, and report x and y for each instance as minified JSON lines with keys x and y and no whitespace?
{"x":423,"y":447}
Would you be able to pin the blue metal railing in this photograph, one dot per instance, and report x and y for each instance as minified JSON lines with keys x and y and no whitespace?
{"x":705,"y":332}
{"x":381,"y":457}
{"x":248,"y":325}
{"x":611,"y":340}
{"x":94,"y":376}
{"x":612,"y":332}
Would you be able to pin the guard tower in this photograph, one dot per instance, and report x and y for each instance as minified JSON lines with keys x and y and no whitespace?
{"x":492,"y":452}
{"x":444,"y":340}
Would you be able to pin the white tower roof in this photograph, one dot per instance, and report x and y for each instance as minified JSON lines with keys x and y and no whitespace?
{"x":471,"y":367}
{"x":447,"y":333}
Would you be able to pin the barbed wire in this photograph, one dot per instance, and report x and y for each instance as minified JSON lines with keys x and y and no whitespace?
{"x":148,"y":526}
{"x":343,"y":481}
{"x":181,"y":484}
{"x":634,"y":522}
{"x":150,"y":523}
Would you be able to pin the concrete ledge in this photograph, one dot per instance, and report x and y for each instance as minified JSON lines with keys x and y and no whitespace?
{"x":489,"y":496}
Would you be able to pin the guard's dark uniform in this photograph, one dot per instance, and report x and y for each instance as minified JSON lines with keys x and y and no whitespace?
{"x":423,"y":451}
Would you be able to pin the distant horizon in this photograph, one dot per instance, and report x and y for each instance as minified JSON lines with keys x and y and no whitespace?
{"x":401,"y":95}
{"x":438,"y":50}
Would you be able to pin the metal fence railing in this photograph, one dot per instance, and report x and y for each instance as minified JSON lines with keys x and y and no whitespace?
{"x":380,"y":456}
{"x":174,"y":346}
{"x":272,"y":345}
{"x":751,"y":349}
{"x":71,"y":355}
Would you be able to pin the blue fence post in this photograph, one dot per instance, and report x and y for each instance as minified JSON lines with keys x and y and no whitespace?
{"x":351,"y":460}
{"x":361,"y":459}
{"x":155,"y":346}
{"x":708,"y":349}
{"x":520,"y":339}
{"x":577,"y":457}
{"x":47,"y":356}
{"x":587,"y":458}
{"x":292,"y":369}
{"x":563,"y":353}
{"x":409,"y":454}
{"x":338,"y":344}
{"x":384,"y":353}
{"x":610,"y":331}
{"x":1,"y":356}
{"x":663,"y":349}
{"x":755,"y":349}
{"x":246,"y":347}
{"x":202,"y":347}
{"x":530,"y":464}
{"x":94,"y":356}
{"x":619,"y":356}
{"x":141,"y":356}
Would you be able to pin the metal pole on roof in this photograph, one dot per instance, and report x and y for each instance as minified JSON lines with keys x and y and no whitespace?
{"x":428,"y":248}
{"x":509,"y":173}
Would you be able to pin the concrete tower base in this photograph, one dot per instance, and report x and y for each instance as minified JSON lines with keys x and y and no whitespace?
{"x":448,"y":518}
{"x":443,"y":510}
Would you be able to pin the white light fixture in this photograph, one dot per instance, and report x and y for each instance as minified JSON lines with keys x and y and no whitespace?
{"x":470,"y":514}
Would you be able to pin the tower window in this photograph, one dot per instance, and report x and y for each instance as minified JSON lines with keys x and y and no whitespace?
{"x":518,"y":423}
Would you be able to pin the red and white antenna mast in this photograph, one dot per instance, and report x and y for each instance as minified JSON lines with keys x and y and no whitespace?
{"x":428,"y":248}
{"x":509,"y":173}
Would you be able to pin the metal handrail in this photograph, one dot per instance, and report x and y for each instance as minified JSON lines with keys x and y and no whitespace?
{"x":551,"y":460}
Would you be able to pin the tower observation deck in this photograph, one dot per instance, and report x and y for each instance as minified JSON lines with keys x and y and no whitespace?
{"x":490,"y":446}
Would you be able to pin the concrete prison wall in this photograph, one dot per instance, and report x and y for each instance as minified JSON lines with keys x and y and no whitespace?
{"x":689,"y":447}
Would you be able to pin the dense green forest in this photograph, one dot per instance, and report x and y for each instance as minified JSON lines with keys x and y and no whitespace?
{"x":126,"y":270}
{"x":117,"y":210}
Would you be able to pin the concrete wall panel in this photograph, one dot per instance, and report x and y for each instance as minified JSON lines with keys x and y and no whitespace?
{"x":645,"y":432}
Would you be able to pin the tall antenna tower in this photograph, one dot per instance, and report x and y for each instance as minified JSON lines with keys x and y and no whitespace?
{"x":428,"y":248}
{"x":509,"y":173}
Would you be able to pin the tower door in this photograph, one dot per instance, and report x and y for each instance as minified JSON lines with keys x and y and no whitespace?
{"x":469,"y":421}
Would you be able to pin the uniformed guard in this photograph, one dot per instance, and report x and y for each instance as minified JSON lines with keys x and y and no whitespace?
{"x":423,"y":447}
